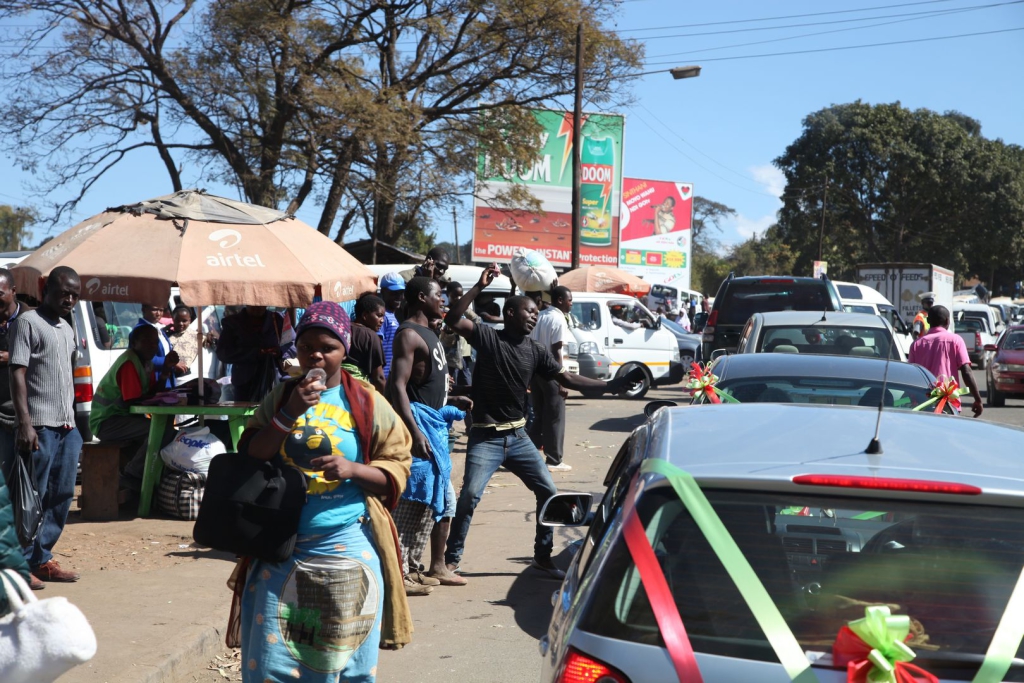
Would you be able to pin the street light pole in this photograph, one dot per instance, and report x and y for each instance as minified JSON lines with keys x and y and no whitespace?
{"x":577,"y":127}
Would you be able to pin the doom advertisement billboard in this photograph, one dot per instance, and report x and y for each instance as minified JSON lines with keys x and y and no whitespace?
{"x":654,"y":235}
{"x":497,"y":231}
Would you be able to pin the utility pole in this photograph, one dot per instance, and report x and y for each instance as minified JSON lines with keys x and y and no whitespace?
{"x":821,"y":233}
{"x":455,"y":224}
{"x":577,"y":127}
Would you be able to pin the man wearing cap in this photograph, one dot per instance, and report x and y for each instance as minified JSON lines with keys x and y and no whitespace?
{"x":392,"y":291}
{"x":921,"y":325}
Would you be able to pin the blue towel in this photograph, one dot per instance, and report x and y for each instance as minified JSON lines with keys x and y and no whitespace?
{"x":450,"y":414}
{"x":428,"y":479}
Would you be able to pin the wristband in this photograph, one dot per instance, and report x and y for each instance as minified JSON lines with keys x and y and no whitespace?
{"x":285,"y":414}
{"x":277,"y":424}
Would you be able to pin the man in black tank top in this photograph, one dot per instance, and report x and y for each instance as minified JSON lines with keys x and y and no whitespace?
{"x":419,"y":374}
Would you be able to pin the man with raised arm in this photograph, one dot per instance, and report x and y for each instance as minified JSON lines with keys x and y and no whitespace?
{"x":507,"y":361}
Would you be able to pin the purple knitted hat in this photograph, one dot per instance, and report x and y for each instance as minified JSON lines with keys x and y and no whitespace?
{"x":331,"y":317}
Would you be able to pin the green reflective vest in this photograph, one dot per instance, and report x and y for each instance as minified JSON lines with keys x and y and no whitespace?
{"x":107,"y":400}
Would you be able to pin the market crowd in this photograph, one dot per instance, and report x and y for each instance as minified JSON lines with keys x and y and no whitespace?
{"x":372,"y":433}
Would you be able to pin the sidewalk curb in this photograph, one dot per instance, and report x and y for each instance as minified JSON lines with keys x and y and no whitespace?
{"x":205,"y":645}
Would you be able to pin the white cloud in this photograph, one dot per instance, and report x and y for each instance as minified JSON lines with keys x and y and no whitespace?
{"x":772,"y":178}
{"x":747,"y":227}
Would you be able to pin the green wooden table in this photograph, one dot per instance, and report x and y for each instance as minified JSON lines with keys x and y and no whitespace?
{"x":236,"y":413}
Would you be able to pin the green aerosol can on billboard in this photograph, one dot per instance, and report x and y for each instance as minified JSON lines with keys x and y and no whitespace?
{"x":597,"y":178}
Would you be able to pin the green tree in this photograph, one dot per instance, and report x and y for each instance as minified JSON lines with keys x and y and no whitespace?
{"x":14,"y":222}
{"x":709,"y":268}
{"x":364,"y":106}
{"x":883,"y":183}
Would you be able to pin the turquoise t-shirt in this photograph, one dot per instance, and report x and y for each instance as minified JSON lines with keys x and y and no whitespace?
{"x":326,"y":429}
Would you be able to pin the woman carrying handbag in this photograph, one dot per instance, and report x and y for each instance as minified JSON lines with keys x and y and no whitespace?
{"x":327,"y":609}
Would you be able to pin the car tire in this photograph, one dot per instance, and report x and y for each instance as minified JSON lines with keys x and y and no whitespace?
{"x":686,"y":359}
{"x":983,"y":361}
{"x":639,"y":390}
{"x":996,"y":399}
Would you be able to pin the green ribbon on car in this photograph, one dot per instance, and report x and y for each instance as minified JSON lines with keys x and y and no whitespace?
{"x":1001,"y":651}
{"x":767,"y":614}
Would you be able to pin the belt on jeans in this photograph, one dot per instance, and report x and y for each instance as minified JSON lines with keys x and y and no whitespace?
{"x":498,"y":428}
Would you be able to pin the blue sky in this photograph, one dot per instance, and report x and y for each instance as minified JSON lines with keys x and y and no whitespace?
{"x":721,"y":131}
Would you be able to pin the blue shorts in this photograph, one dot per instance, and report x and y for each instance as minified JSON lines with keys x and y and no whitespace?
{"x":449,"y":501}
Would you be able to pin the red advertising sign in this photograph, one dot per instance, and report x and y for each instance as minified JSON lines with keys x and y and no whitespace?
{"x":654,"y":236}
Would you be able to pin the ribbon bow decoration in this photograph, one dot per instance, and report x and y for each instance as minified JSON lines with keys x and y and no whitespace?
{"x":945,"y":390}
{"x":702,"y":384}
{"x":874,"y":649}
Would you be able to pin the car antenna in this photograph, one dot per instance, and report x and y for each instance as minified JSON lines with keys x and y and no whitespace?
{"x":875,"y":446}
{"x":824,"y":315}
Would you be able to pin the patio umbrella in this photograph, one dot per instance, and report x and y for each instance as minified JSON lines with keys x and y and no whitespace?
{"x":216,"y":250}
{"x":604,"y":279}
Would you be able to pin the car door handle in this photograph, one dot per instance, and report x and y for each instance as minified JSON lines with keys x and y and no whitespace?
{"x":617,"y":341}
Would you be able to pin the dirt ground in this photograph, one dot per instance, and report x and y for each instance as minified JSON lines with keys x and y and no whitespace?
{"x":226,"y":666}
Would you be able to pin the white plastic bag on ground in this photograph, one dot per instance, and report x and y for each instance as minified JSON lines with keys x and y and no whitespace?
{"x":192,"y":450}
{"x":531,"y":271}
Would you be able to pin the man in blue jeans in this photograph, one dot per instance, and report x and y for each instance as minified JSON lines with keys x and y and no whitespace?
{"x":506,"y":361}
{"x":42,"y":350}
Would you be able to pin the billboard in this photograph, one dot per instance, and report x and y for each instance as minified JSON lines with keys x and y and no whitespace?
{"x":498,"y":231}
{"x":654,"y":234}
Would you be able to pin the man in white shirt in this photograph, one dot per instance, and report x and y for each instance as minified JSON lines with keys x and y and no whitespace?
{"x":548,"y":397}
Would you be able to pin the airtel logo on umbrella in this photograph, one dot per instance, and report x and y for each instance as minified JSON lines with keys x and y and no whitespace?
{"x":96,"y":286}
{"x":227,"y":238}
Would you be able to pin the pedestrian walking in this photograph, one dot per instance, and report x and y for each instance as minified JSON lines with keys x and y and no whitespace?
{"x":418,"y":390}
{"x":547,"y":396}
{"x":42,"y":344}
{"x":921,"y":324}
{"x":507,"y":361}
{"x":392,"y":291}
{"x":322,"y":614}
{"x":943,"y":353}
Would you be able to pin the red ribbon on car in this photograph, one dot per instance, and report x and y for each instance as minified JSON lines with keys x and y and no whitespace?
{"x":659,"y":595}
{"x":877,"y":661}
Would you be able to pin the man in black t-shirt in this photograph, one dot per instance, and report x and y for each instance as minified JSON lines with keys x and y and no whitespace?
{"x":506,"y":361}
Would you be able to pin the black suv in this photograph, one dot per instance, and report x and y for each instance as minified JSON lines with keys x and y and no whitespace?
{"x":740,"y":297}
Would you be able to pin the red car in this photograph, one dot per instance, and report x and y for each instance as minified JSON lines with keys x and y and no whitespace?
{"x":1006,"y":369}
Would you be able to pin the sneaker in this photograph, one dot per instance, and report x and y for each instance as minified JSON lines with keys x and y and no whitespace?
{"x":423,"y":579}
{"x":34,"y":583}
{"x":412,"y":588}
{"x":560,"y":467}
{"x":51,"y":571}
{"x":548,"y":567}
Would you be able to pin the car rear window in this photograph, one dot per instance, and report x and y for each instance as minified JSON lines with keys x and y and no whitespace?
{"x":1013,"y":341}
{"x":853,"y":308}
{"x":743,"y":299}
{"x":870,"y":342}
{"x":832,"y":391}
{"x":951,"y":568}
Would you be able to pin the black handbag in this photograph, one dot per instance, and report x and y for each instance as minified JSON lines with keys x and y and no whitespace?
{"x":28,"y":509}
{"x":251,"y":507}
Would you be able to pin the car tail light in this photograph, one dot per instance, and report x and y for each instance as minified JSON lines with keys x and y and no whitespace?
{"x":83,"y":384}
{"x":887,"y":484}
{"x":579,"y":668}
{"x":977,"y":341}
{"x":712,"y":319}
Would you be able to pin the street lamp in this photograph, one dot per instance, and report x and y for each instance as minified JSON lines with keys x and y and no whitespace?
{"x":680,"y":72}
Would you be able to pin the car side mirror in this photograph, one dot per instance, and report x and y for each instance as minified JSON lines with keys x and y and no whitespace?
{"x":991,"y":347}
{"x":566,"y":509}
{"x":654,"y":406}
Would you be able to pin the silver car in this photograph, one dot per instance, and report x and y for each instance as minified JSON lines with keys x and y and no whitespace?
{"x":932,"y":526}
{"x":813,"y":333}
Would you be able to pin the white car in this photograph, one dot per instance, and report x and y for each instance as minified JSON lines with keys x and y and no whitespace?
{"x":862,"y":299}
{"x":830,"y":333}
{"x":631,"y":336}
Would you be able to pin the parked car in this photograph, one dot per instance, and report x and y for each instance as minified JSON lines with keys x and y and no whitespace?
{"x":862,"y":299}
{"x":632,"y":337}
{"x":821,"y":380}
{"x":825,"y":527}
{"x":972,"y":331}
{"x":1006,"y":369}
{"x":739,"y":298}
{"x":986,"y":331}
{"x":810,"y":332}
{"x":689,"y":344}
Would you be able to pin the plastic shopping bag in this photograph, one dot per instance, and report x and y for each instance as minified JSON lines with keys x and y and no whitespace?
{"x":531,"y":271}
{"x":28,"y":509}
{"x":192,"y":450}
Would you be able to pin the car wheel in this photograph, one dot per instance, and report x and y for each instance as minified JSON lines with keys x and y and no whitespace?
{"x":983,"y":361}
{"x":996,"y":399}
{"x":686,"y":359}
{"x":639,"y":389}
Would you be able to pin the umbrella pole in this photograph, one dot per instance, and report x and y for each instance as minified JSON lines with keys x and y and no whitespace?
{"x":202,"y":379}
